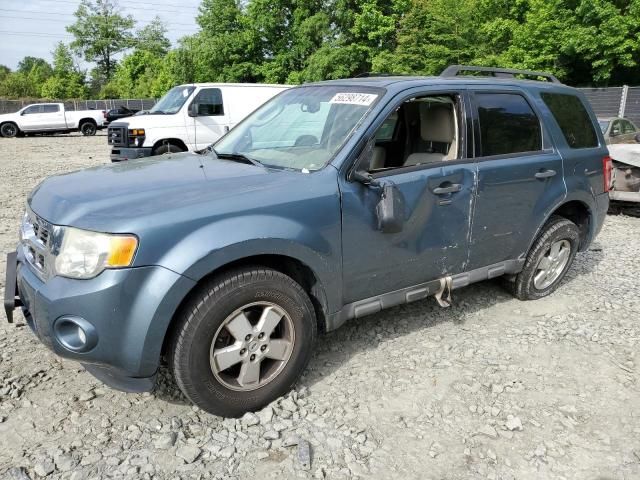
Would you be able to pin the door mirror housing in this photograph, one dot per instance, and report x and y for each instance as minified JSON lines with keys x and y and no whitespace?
{"x":637,"y":137}
{"x":193,"y":109}
{"x":390,"y":209}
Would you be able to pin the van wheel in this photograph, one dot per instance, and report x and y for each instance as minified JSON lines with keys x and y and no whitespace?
{"x":548,"y":260}
{"x":9,"y":130}
{"x":167,"y":148}
{"x":242,"y":341}
{"x":88,"y":128}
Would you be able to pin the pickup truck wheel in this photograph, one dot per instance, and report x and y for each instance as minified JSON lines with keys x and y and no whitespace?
{"x":548,"y":260}
{"x":167,"y":148}
{"x":242,"y":341}
{"x":88,"y":128}
{"x":9,"y":130}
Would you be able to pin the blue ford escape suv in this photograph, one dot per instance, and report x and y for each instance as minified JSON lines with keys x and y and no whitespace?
{"x":332,"y":201}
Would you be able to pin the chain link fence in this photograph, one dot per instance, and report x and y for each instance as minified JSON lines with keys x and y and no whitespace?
{"x":10,"y":106}
{"x":606,"y":102}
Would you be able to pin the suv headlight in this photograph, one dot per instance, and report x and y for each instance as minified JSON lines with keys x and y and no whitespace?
{"x":84,"y":254}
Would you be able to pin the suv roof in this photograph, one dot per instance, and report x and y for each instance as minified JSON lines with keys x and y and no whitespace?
{"x":451,"y":75}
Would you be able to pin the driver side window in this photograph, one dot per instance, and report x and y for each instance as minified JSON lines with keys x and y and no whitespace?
{"x":209,"y":101}
{"x":421,"y":131}
{"x":32,"y":109}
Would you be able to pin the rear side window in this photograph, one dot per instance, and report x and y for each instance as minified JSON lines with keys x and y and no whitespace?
{"x":209,"y":101}
{"x":627,"y":127}
{"x":572,"y":118}
{"x":50,"y":108}
{"x":507,"y":124}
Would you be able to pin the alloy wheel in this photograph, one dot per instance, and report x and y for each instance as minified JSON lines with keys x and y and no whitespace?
{"x":552,"y":264}
{"x":252,"y":346}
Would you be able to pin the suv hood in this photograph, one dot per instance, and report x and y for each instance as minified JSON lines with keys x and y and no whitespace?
{"x":114,"y":198}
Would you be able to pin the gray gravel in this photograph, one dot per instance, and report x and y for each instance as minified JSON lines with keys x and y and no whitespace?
{"x":490,"y":388}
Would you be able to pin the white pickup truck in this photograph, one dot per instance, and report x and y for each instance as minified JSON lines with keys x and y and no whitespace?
{"x":50,"y":118}
{"x":188,"y":118}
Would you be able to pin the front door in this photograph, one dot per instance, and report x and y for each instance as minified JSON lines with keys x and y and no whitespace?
{"x":520,"y":175}
{"x":420,"y":149}
{"x":208,"y":120}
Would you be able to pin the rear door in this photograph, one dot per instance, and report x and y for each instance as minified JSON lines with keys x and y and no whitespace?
{"x":211,"y":118}
{"x":520,"y":175}
{"x":437,"y":197}
{"x":53,"y":117}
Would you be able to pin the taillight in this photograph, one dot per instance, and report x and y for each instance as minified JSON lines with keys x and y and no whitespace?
{"x":607,"y":167}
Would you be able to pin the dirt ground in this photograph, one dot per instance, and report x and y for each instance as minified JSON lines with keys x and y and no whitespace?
{"x":489,"y":388}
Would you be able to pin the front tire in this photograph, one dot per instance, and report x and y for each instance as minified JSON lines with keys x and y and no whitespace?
{"x":548,"y":261}
{"x":88,"y":129}
{"x":9,"y":130}
{"x":167,"y":148}
{"x":242,"y":341}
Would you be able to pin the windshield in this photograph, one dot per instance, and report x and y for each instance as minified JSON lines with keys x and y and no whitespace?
{"x":604,"y":124}
{"x":302,"y":128}
{"x":173,"y":100}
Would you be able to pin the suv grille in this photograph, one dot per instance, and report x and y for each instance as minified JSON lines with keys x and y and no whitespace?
{"x":117,"y":136}
{"x":35,"y":236}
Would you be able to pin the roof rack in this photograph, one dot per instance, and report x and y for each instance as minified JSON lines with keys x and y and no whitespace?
{"x":454,"y":70}
{"x":376,"y":74}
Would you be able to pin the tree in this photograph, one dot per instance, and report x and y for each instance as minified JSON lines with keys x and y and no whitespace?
{"x":153,"y":38}
{"x":4,"y":71}
{"x":67,"y":80}
{"x":100,"y":34}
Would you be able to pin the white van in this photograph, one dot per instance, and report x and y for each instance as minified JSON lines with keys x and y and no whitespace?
{"x":188,"y":118}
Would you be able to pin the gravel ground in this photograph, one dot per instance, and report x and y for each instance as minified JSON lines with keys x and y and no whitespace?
{"x":490,"y":388}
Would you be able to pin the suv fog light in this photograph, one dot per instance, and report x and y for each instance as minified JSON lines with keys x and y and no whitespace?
{"x":75,"y":334}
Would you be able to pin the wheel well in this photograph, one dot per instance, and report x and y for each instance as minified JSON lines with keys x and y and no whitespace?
{"x":85,"y":120}
{"x":579,"y":214}
{"x":11,"y":122}
{"x":295,"y":269}
{"x":173,"y":141}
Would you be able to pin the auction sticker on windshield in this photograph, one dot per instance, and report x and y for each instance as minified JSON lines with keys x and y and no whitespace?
{"x":353,"y":98}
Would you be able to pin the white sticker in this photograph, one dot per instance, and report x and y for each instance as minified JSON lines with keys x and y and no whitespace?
{"x":353,"y":98}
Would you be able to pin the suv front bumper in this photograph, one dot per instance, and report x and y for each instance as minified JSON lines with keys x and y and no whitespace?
{"x":119,"y":154}
{"x":125,"y":313}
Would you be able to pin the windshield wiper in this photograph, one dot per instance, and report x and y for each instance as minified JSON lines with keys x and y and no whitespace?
{"x":238,"y":157}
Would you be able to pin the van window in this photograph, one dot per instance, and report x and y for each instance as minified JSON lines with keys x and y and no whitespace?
{"x":209,"y":101}
{"x":50,"y":108}
{"x":507,"y":124}
{"x":572,"y":119}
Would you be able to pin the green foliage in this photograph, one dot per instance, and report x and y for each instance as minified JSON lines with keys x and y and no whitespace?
{"x":101,"y":33}
{"x":583,"y":42}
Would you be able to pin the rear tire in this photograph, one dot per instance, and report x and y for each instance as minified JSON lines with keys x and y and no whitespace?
{"x":9,"y":130}
{"x":248,"y":319}
{"x":548,"y":261}
{"x":88,"y":129}
{"x":167,"y":148}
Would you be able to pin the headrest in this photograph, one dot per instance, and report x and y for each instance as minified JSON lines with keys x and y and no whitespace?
{"x":436,"y":123}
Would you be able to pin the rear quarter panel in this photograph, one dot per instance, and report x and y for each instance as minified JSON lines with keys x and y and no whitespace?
{"x":583,"y":167}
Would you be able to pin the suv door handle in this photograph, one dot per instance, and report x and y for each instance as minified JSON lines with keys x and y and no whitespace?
{"x":454,"y":187}
{"x":545,"y":174}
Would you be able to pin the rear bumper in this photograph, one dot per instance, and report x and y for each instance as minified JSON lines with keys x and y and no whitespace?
{"x":119,"y":154}
{"x":125,"y":314}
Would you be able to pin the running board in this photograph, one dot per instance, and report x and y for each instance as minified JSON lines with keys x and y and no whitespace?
{"x":378,"y":303}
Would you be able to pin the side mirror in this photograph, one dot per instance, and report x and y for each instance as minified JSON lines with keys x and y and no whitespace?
{"x":637,"y":137}
{"x":614,"y":133}
{"x":390,"y":210}
{"x":193,"y":109}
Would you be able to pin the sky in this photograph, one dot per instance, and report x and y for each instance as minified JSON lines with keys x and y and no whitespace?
{"x":33,"y":27}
